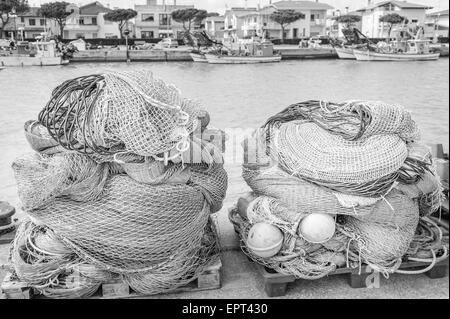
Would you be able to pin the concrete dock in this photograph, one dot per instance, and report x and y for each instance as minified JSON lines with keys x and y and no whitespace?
{"x":240,"y":278}
{"x":182,"y":54}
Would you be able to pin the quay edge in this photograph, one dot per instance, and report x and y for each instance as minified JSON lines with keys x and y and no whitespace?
{"x":287,"y":52}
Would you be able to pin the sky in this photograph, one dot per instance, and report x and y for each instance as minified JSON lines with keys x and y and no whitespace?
{"x":220,"y":5}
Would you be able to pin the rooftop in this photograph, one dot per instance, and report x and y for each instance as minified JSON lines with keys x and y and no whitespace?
{"x":438,"y":13}
{"x":299,"y":5}
{"x":93,"y":8}
{"x":399,"y":4}
{"x":216,"y":18}
{"x":241,"y":12}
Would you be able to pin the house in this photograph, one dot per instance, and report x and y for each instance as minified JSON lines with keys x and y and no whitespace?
{"x":88,"y":22}
{"x":155,"y":20}
{"x":28,"y":25}
{"x":373,"y":28}
{"x":313,"y":23}
{"x":234,"y":22}
{"x":436,"y":24}
{"x":215,"y":26}
{"x":334,"y":29}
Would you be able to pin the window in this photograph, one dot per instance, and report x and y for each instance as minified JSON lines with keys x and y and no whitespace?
{"x":81,"y":21}
{"x":295,"y":33}
{"x":79,"y":35}
{"x":94,"y":21}
{"x":148,"y":17}
{"x":42,"y":21}
{"x":312,"y":17}
{"x":414,"y":21}
{"x":32,"y":21}
{"x":94,"y":35}
{"x":254,"y":19}
{"x":22,"y":19}
{"x":164,"y":19}
{"x":147,"y":35}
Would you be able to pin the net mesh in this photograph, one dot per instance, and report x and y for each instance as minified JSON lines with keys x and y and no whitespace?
{"x":119,"y":188}
{"x":359,"y":162}
{"x":101,"y":115}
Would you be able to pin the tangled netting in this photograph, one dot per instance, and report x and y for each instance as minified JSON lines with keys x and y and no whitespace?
{"x":119,"y":187}
{"x":353,"y":148}
{"x":360,"y":162}
{"x":105,"y":114}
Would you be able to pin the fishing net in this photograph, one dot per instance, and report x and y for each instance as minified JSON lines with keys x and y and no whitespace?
{"x":359,"y":162}
{"x":113,"y":231}
{"x":353,"y":120}
{"x":41,"y":260}
{"x":41,"y":178}
{"x":297,"y":257}
{"x":357,"y":148}
{"x":383,"y":237}
{"x":120,"y":187}
{"x":105,"y":114}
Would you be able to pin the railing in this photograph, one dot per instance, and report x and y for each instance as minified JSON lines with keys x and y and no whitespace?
{"x":318,"y":22}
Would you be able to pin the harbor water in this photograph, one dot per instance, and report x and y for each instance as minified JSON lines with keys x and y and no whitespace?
{"x":239,"y":96}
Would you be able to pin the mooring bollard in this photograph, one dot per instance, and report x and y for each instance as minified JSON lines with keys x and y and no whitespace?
{"x":7,"y":225}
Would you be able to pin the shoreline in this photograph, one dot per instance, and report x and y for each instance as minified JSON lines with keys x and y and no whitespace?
{"x":288,"y":52}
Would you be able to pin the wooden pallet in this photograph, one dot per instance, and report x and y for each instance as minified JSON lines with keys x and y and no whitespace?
{"x":7,"y":237}
{"x":210,"y":279}
{"x":276,"y":284}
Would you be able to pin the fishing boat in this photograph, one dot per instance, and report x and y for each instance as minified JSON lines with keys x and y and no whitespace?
{"x":226,"y":59}
{"x":345,"y":53}
{"x":354,"y":39}
{"x":418,"y":50}
{"x":406,"y":47}
{"x":198,"y":57}
{"x":39,"y":53}
{"x":246,"y":52}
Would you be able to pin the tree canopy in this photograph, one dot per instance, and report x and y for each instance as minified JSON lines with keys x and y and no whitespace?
{"x":189,"y":16}
{"x":392,"y":19}
{"x":286,"y":17}
{"x":8,"y":7}
{"x":348,"y":20}
{"x":121,"y":16}
{"x":56,"y":11}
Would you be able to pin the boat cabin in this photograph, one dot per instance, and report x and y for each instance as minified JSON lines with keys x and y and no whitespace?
{"x":37,"y":49}
{"x":418,"y":46}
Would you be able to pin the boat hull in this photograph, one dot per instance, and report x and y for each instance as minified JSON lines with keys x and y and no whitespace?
{"x":198,"y":57}
{"x":374,"y":56}
{"x":215,"y":59}
{"x":345,"y":53}
{"x":31,"y":61}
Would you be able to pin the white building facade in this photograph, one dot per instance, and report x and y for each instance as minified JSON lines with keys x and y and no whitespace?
{"x":314,"y":22}
{"x":373,"y":28}
{"x":154,"y":20}
{"x":88,"y":22}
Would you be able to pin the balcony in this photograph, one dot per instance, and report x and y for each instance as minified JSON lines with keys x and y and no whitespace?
{"x":320,"y":22}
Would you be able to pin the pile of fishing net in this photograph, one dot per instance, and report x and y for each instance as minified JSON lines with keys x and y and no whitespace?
{"x":122,"y":184}
{"x":339,"y":185}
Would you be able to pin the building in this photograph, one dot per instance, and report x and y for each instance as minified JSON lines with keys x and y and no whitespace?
{"x":155,"y":20}
{"x":334,"y":29}
{"x":313,"y":23}
{"x":215,"y":26}
{"x":235,"y":21}
{"x":373,"y":28}
{"x":88,"y":22}
{"x":436,"y":24}
{"x":28,"y":25}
